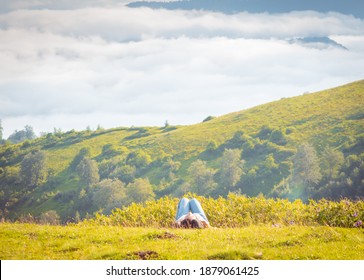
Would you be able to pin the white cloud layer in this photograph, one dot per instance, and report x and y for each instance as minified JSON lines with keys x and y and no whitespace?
{"x":117,"y":66}
{"x":124,"y":24}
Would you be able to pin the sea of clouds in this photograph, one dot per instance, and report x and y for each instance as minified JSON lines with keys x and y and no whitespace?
{"x":70,"y":64}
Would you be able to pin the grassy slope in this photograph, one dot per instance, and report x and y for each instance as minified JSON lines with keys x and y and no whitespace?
{"x":310,"y":115}
{"x":319,"y":116}
{"x":27,"y":241}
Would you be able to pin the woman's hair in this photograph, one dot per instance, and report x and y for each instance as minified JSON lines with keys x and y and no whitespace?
{"x":194,"y":223}
{"x":185,"y":223}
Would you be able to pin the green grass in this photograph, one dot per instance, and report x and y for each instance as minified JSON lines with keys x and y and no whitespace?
{"x":267,"y":242}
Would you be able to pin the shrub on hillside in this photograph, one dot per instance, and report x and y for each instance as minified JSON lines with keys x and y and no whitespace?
{"x":49,"y":218}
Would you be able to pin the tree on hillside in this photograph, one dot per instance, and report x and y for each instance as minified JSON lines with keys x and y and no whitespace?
{"x":306,"y":170}
{"x":109,"y":194}
{"x":19,"y":136}
{"x":83,"y":201}
{"x":33,"y":169}
{"x":265,"y":132}
{"x":107,"y":166}
{"x":209,"y":118}
{"x":349,"y":182}
{"x":140,"y":191}
{"x":231,"y":168}
{"x":126,"y":173}
{"x":88,"y":172}
{"x":278,"y":137}
{"x":29,"y":132}
{"x":202,"y":177}
{"x":139,"y":158}
{"x":169,"y":168}
{"x":331,"y":161}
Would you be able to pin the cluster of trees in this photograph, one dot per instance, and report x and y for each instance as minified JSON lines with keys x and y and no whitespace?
{"x":120,"y":180}
{"x":18,"y":136}
{"x":33,"y":169}
{"x":18,"y":183}
{"x":262,"y":165}
{"x":205,"y":180}
{"x":306,"y":172}
{"x":114,"y":182}
{"x":27,"y":134}
{"x":104,"y":185}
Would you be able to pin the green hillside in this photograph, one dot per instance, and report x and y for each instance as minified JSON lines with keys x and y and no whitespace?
{"x":310,"y":146}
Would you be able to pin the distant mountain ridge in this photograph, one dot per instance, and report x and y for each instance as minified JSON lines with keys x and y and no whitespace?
{"x":350,"y":7}
{"x":317,"y":43}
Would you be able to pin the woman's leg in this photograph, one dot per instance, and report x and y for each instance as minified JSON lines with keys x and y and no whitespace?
{"x":197,"y":208}
{"x":183,"y":208}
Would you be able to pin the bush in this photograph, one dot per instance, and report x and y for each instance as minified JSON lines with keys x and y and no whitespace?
{"x":26,"y":219}
{"x":49,"y":218}
{"x":278,"y":137}
{"x":209,"y":118}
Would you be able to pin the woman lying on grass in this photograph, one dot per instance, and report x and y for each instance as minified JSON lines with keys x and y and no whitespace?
{"x":190,"y":214}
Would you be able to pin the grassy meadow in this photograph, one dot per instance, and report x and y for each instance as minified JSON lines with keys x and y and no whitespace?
{"x":100,"y":242}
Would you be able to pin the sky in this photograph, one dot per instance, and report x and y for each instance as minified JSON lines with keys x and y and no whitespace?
{"x":72,"y":64}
